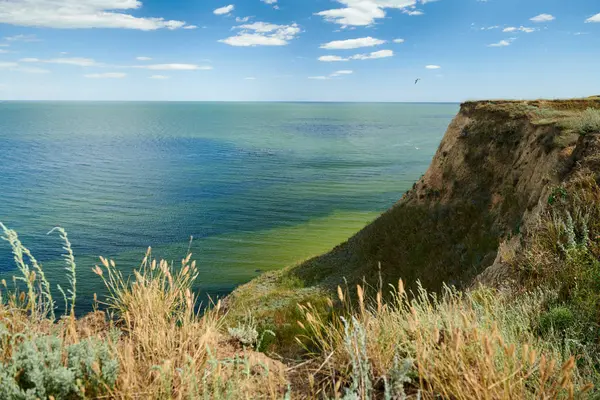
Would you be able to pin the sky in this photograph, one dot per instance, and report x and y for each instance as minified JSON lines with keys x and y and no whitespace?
{"x":298,"y":50}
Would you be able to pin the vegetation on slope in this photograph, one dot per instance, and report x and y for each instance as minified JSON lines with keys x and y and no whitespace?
{"x":153,"y":344}
{"x":485,"y":185}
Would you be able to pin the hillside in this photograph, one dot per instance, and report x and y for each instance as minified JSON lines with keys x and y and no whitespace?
{"x":484,"y":190}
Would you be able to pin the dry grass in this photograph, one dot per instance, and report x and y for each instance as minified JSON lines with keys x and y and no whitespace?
{"x":169,"y":350}
{"x":165,"y":348}
{"x":584,"y":122}
{"x":476,"y":345}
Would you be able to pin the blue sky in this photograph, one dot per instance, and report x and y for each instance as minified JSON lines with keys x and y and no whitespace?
{"x":298,"y":50}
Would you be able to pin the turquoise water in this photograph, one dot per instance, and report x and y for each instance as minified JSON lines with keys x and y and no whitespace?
{"x":258,"y":185}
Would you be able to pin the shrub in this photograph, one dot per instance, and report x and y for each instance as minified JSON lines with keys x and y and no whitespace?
{"x":44,"y":366}
{"x":585,"y":122}
{"x":558,"y":319}
{"x":245,"y":332}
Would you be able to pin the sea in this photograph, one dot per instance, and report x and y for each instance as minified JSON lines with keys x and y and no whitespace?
{"x":245,"y":187}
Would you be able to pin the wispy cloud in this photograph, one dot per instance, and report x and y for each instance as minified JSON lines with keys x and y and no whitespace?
{"x":76,"y":61}
{"x":143,"y":58}
{"x":21,"y":38}
{"x":519,"y":29}
{"x":332,"y":58}
{"x":174,"y":67}
{"x":367,"y":56}
{"x":366,"y":12}
{"x":106,"y":75}
{"x":224,"y":10}
{"x":159,"y":77}
{"x":432,"y":67}
{"x":342,"y":72}
{"x":543,"y":18}
{"x":335,"y":74}
{"x":263,"y":34}
{"x":502,"y":43}
{"x":73,"y":14}
{"x":352,"y":43}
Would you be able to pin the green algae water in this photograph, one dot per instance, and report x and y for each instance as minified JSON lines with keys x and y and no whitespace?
{"x":257,"y":185}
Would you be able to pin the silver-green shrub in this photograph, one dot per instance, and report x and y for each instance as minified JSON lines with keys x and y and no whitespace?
{"x":42,"y":367}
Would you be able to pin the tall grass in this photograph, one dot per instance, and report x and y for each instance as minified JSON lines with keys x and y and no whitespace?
{"x":38,"y":291}
{"x":156,"y":345}
{"x":584,"y":122}
{"x":477,"y":345}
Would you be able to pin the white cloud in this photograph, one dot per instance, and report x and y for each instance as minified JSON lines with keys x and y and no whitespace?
{"x":398,"y":40}
{"x":107,"y":75}
{"x":332,"y":58}
{"x":368,"y":56}
{"x":263,"y":34}
{"x":80,"y":62}
{"x":502,"y":43}
{"x":190,"y":27}
{"x":519,"y":29}
{"x":595,"y":18}
{"x":174,"y":67}
{"x":413,"y":13}
{"x":373,"y":55}
{"x":224,"y":10}
{"x":352,"y":43}
{"x":13,"y":66}
{"x":366,"y":12}
{"x":342,"y":72}
{"x":432,"y":67}
{"x":332,"y":75}
{"x":250,"y":78}
{"x":271,"y":2}
{"x":75,"y":14}
{"x":242,"y":19}
{"x":160,"y":77}
{"x":543,"y":18}
{"x":32,"y":70}
{"x":88,"y":62}
{"x":21,"y":38}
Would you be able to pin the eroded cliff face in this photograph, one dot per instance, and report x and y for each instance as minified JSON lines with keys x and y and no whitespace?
{"x":492,"y":173}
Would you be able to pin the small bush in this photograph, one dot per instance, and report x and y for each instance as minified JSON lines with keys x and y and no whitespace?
{"x":246,"y":332}
{"x":44,"y":366}
{"x":558,"y":319}
{"x":585,"y":122}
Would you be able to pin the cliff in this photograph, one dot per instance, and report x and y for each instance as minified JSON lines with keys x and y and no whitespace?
{"x":484,"y":190}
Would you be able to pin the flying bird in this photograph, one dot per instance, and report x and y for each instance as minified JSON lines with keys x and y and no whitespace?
{"x":417,"y":80}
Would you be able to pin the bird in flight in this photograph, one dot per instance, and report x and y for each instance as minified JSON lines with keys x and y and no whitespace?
{"x":417,"y":80}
